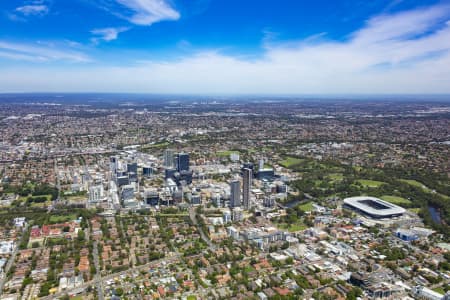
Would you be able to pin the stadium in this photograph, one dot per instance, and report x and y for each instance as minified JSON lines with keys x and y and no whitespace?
{"x":373,"y":207}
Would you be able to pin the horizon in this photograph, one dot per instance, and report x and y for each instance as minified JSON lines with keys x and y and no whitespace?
{"x":214,"y":47}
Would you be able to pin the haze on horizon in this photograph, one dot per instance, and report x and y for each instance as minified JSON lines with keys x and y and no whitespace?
{"x":225,"y":47}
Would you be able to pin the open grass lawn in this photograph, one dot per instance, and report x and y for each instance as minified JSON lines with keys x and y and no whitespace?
{"x":289,"y":162}
{"x":306,"y":206}
{"x":370,"y":183}
{"x":396,"y":200}
{"x":422,"y":186}
{"x":157,"y":145}
{"x":37,"y":204}
{"x":76,"y":198}
{"x":63,"y":218}
{"x":439,"y":290}
{"x":336,"y":176}
{"x":191,"y":297}
{"x":226,"y":153}
{"x":415,"y":210}
{"x":415,"y":183}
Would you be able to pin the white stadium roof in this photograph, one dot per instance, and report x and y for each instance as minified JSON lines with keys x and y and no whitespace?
{"x":384,"y":210}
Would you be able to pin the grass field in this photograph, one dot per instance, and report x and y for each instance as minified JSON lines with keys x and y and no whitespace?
{"x":415,"y":210}
{"x":396,"y":200}
{"x":41,"y":204}
{"x":191,"y":297}
{"x":439,"y":290}
{"x":336,"y":176}
{"x":62,"y":219}
{"x":289,"y":162}
{"x":370,"y":183}
{"x":423,"y":187}
{"x":415,"y":183}
{"x":307,"y":206}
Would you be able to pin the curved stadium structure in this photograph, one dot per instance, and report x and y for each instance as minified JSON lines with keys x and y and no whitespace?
{"x":373,"y":207}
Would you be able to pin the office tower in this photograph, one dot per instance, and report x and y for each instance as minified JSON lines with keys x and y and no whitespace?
{"x":235,"y":193}
{"x":127,"y":192}
{"x":169,"y":158}
{"x":147,"y":171}
{"x":248,"y":165}
{"x":113,"y":164}
{"x":246,"y":185}
{"x":261,"y":164}
{"x":182,"y":162}
{"x":122,"y":180}
{"x":132,"y":168}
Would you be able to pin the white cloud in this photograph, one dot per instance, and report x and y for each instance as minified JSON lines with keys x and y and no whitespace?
{"x":38,"y":9}
{"x":147,"y":12}
{"x":407,"y":52}
{"x":40,"y":52}
{"x":107,"y":34}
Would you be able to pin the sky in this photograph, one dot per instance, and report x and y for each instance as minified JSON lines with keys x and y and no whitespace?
{"x":225,"y":46}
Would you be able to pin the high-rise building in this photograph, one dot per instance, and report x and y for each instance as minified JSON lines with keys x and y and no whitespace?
{"x":235,"y":193}
{"x":247,"y":176}
{"x":248,"y":165}
{"x":182,"y":160}
{"x":113,"y":164}
{"x":147,"y":171}
{"x":96,"y":193}
{"x":132,"y":168}
{"x":169,"y":158}
{"x":127,"y":192}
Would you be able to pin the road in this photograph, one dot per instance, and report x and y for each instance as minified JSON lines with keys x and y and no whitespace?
{"x":99,"y":279}
{"x":192,"y":215}
{"x":11,"y":260}
{"x":98,"y":275}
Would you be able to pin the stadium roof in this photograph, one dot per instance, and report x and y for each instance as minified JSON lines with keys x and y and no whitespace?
{"x":374,"y":206}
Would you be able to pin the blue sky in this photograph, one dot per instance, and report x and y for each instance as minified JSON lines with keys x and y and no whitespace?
{"x":225,"y":46}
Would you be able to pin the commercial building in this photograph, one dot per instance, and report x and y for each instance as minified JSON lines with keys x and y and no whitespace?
{"x":421,"y":292}
{"x":246,"y":185}
{"x":132,"y":168}
{"x":406,"y":235}
{"x":127,"y":192}
{"x":169,"y":158}
{"x":182,"y":160}
{"x":235,"y":193}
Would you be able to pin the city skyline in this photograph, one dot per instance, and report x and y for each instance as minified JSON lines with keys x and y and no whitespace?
{"x":214,"y":47}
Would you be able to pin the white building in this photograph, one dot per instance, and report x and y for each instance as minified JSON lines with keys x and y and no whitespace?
{"x":421,"y":292}
{"x":7,"y":247}
{"x":96,"y":193}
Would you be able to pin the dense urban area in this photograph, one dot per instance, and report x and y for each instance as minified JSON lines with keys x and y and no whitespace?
{"x":124,"y":197}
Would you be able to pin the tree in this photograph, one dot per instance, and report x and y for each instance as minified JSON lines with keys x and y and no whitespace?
{"x":81,"y":235}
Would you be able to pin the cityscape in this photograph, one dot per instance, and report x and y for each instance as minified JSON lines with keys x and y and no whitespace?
{"x":224,"y":199}
{"x":215,"y":150}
